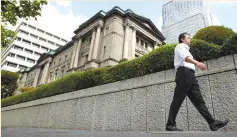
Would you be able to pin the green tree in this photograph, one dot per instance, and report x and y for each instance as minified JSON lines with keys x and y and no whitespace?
{"x":11,"y":11}
{"x":8,"y":83}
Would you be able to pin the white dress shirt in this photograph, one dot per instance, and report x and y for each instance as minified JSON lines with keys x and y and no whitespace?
{"x":180,"y":53}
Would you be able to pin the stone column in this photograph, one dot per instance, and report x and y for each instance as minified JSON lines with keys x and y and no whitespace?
{"x":36,"y":77}
{"x":48,"y":79}
{"x":24,"y":79}
{"x":54,"y":76}
{"x":133,"y":42}
{"x":97,"y":40}
{"x":125,"y":43}
{"x":45,"y":72}
{"x":91,"y":45}
{"x":75,"y":64}
{"x":73,"y":55}
{"x":19,"y":78}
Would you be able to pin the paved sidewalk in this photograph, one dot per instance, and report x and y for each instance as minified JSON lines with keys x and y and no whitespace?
{"x":41,"y":132}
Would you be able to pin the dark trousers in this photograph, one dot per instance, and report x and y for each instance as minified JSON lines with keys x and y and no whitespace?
{"x":187,"y":84}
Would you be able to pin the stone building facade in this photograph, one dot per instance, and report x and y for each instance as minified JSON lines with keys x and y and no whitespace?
{"x":103,"y":40}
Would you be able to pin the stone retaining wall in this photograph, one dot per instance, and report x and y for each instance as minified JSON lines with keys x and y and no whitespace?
{"x":140,"y":103}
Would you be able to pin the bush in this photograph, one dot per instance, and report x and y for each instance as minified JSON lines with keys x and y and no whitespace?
{"x":122,"y":60}
{"x":24,"y":89}
{"x":202,"y":50}
{"x":21,"y":90}
{"x":230,"y":46}
{"x":69,"y":83}
{"x":157,"y":60}
{"x":214,"y":34}
{"x":8,"y":83}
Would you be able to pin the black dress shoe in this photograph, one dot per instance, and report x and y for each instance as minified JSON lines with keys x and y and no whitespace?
{"x":218,"y":124}
{"x":172,"y":128}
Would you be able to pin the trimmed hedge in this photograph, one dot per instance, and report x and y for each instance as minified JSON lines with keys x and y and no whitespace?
{"x":8,"y":83}
{"x":214,"y":34}
{"x":229,"y":46}
{"x":202,"y":50}
{"x":157,"y":60}
{"x":23,"y":89}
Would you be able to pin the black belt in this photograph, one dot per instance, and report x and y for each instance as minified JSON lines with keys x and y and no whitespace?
{"x":186,"y":68}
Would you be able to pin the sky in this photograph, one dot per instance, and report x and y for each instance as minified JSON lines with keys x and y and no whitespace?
{"x":62,"y":17}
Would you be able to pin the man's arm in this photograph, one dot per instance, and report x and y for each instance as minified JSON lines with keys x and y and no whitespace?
{"x":186,"y":55}
{"x":195,"y":62}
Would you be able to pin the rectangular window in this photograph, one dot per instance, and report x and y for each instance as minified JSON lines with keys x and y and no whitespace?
{"x":26,"y":42}
{"x":11,"y":64}
{"x":56,"y":75}
{"x":49,"y":34}
{"x":22,"y":67}
{"x":18,"y":48}
{"x":31,"y":27}
{"x":137,"y":40}
{"x":104,"y":51}
{"x":62,"y":72}
{"x":18,"y":39}
{"x":58,"y":45}
{"x":142,"y":42}
{"x":64,"y":40}
{"x":37,"y":54}
{"x":68,"y":65}
{"x":50,"y":42}
{"x":40,"y":30}
{"x":57,"y":37}
{"x":34,"y":36}
{"x":28,"y":51}
{"x":24,"y":24}
{"x":20,"y":57}
{"x":42,"y":39}
{"x":86,"y":57}
{"x":59,"y":61}
{"x":107,"y":30}
{"x":24,"y":32}
{"x":65,"y":57}
{"x":31,"y":60}
{"x":11,"y":55}
{"x":44,"y":48}
{"x":146,"y":45}
{"x":35,"y":45}
{"x":136,"y":55}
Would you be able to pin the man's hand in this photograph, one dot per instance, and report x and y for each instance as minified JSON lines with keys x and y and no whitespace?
{"x":201,"y":66}
{"x":198,"y":64}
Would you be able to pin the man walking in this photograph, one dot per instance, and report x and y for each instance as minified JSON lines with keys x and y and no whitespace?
{"x":187,"y":84}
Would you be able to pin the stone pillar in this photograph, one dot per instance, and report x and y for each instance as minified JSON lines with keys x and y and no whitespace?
{"x":45,"y":73}
{"x":125,"y":43}
{"x":73,"y":55}
{"x":19,"y":79}
{"x":23,"y":81}
{"x":92,"y":45}
{"x":36,"y":77}
{"x":77,"y":53}
{"x":54,"y":76}
{"x":48,"y":79}
{"x":97,"y":40}
{"x":133,"y":42}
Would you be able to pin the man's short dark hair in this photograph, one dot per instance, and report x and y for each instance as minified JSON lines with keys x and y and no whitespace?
{"x":182,"y":36}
